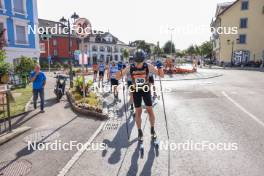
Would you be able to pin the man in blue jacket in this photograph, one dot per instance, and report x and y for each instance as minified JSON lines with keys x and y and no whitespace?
{"x":39,"y":81}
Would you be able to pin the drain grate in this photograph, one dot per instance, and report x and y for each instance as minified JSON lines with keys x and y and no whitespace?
{"x":42,"y":136}
{"x":16,"y":168}
{"x":112,"y":124}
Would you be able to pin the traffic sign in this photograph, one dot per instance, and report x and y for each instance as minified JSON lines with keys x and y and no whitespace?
{"x":82,"y":28}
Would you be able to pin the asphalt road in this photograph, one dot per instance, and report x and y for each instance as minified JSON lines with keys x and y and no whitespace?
{"x":225,"y":112}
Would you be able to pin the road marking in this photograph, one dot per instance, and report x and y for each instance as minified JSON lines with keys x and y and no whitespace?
{"x":79,"y":153}
{"x":243,"y":109}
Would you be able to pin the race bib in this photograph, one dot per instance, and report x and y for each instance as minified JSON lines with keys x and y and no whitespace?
{"x":140,"y":80}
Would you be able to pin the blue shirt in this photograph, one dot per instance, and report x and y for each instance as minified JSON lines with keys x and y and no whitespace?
{"x":113,"y":71}
{"x":39,"y":81}
{"x":102,"y":67}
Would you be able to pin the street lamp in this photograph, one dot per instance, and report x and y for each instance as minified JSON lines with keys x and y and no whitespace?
{"x":171,"y":30}
{"x":67,"y":23}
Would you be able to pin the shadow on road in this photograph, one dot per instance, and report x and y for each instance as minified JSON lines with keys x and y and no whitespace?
{"x":119,"y":142}
{"x":26,"y":151}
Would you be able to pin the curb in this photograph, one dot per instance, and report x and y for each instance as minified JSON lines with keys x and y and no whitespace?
{"x":101,"y":116}
{"x":28,"y":104}
{"x":11,"y":135}
{"x":186,"y":79}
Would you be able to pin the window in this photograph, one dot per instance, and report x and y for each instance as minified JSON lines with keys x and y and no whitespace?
{"x":102,"y":48}
{"x":18,"y":6}
{"x":42,"y":48}
{"x":54,"y":42}
{"x":94,"y":48}
{"x":243,"y":23}
{"x":108,"y":49}
{"x":55,"y":52}
{"x":21,"y":37}
{"x":2,"y":6}
{"x":242,"y":39}
{"x":244,"y":5}
{"x":116,"y":57}
{"x":115,"y":49}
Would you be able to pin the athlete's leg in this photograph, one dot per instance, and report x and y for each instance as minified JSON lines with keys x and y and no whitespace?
{"x":137,"y":97}
{"x":151,"y":115}
{"x":138,"y":117}
{"x":148,"y":102}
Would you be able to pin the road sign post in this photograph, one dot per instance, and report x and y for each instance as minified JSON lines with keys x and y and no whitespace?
{"x":82,"y":28}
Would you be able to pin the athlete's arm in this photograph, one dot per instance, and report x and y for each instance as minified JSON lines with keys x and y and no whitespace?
{"x":122,"y":73}
{"x":108,"y":73}
{"x":156,"y":71}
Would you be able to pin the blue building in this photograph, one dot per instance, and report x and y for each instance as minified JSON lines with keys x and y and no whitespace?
{"x":16,"y":16}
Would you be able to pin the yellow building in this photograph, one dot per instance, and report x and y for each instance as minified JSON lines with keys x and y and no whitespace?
{"x":238,"y":31}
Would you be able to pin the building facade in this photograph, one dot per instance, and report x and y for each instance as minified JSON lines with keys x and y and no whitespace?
{"x":104,"y":47}
{"x":241,"y":38}
{"x":16,"y":16}
{"x":58,"y":46}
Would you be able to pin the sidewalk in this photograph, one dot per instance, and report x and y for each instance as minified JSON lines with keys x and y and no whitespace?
{"x":235,"y":68}
{"x":57,"y":123}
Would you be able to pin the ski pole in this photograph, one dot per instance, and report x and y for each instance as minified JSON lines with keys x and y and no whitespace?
{"x":166,"y":121}
{"x":164,"y":110}
{"x":125,"y":106}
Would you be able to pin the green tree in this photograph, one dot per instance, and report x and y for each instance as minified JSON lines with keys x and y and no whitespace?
{"x":25,"y":65}
{"x":125,"y":54}
{"x":167,"y":47}
{"x":191,"y":50}
{"x":206,"y":48}
{"x":4,"y":67}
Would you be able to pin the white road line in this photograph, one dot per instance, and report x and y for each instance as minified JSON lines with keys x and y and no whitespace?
{"x":243,"y":109}
{"x":78,"y":154}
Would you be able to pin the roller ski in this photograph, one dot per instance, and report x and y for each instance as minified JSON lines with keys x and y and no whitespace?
{"x":140,"y":143}
{"x":154,"y":140}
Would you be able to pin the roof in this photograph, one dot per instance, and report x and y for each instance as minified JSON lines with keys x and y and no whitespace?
{"x":221,"y":7}
{"x":231,"y":5}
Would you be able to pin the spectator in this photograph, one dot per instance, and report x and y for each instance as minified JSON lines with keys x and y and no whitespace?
{"x":39,"y":81}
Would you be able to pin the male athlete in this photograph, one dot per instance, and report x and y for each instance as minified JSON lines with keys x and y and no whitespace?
{"x":113,"y":69}
{"x":141,"y":88}
{"x":95,"y":70}
{"x":101,"y":73}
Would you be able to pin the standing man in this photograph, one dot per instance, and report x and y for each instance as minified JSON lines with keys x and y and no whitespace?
{"x":39,"y":81}
{"x":141,"y":88}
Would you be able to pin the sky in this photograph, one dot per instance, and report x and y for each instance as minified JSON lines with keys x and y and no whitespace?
{"x":147,"y":20}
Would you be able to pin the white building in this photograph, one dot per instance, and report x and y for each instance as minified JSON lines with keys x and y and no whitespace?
{"x":104,"y":47}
